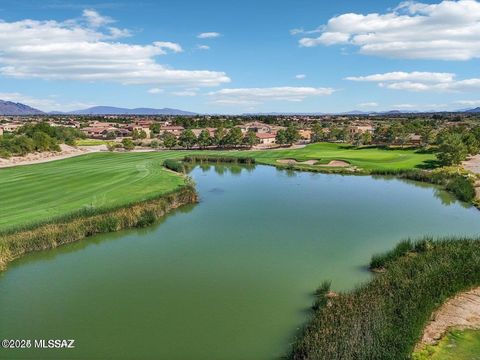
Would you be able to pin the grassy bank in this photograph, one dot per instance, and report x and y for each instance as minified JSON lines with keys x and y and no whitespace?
{"x":384,"y":318}
{"x":14,"y":244}
{"x":456,"y":345}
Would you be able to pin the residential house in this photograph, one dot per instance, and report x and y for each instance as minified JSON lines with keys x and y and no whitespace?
{"x":266,"y":138}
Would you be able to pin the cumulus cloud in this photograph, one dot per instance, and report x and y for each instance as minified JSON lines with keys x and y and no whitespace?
{"x":420,"y":81}
{"x":73,"y":50}
{"x":203,"y":47}
{"x":208,"y":35}
{"x":155,"y":91}
{"x":448,"y":30}
{"x":249,"y":96}
{"x":300,"y":76}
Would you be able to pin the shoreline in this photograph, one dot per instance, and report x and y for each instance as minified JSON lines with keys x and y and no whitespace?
{"x":51,"y":234}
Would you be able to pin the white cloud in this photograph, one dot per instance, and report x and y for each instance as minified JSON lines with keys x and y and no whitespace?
{"x":405,"y":76}
{"x":468,"y":102}
{"x":368,"y":104}
{"x":70,"y":50}
{"x":257,"y":95}
{"x":208,"y":35}
{"x":300,"y":76}
{"x":188,"y":92}
{"x":168,"y":46}
{"x":420,"y":81}
{"x":155,"y":91}
{"x":203,"y":47}
{"x":94,"y":19}
{"x":448,"y":30}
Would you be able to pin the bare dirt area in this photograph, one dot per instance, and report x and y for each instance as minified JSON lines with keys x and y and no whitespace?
{"x":473,"y":165}
{"x":460,"y":312}
{"x":36,"y":158}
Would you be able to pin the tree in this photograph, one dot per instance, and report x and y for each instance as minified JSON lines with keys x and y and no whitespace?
{"x":292,"y":135}
{"x":281,"y":137}
{"x":155,"y":128}
{"x":204,"y":139}
{"x":317,"y":133}
{"x":452,"y":150}
{"x":187,"y":139}
{"x":128,"y":144}
{"x":169,"y":140}
{"x":251,"y":139}
{"x":234,"y":137}
{"x":367,"y":138}
{"x":471,"y":142}
{"x":154,"y":144}
{"x":426,"y":135}
{"x":43,"y":142}
{"x":219,"y":136}
{"x":110,"y":135}
{"x":139,"y":134}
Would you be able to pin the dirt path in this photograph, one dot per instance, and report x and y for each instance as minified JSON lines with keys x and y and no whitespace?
{"x":37,"y":158}
{"x":460,"y":312}
{"x":473,"y":165}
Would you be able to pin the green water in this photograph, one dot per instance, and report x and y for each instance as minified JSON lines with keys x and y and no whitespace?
{"x":228,"y":278}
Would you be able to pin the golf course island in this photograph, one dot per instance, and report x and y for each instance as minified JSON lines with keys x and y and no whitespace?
{"x":250,"y":201}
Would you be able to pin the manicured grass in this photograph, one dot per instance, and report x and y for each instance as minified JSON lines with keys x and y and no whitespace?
{"x":37,"y":193}
{"x":364,"y":158}
{"x":91,"y":142}
{"x":457,"y":345}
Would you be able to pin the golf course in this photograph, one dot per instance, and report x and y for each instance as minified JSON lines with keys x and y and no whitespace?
{"x":40,"y":193}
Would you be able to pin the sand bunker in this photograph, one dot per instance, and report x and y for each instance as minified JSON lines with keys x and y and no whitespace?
{"x":337,"y":163}
{"x":333,"y":163}
{"x":460,"y":312}
{"x":295,"y":162}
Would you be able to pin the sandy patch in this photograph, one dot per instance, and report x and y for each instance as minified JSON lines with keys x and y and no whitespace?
{"x":295,"y":162}
{"x":472,"y":164}
{"x":337,"y":163}
{"x":37,"y":158}
{"x":460,"y":312}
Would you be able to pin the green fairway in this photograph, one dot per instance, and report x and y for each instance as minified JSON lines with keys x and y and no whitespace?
{"x":40,"y":192}
{"x":457,"y":345}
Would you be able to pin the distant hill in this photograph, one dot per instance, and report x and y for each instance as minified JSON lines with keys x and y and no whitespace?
{"x":12,"y":108}
{"x":110,"y":110}
{"x":476,"y":110}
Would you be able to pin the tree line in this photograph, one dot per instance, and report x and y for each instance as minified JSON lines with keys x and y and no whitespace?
{"x":37,"y":138}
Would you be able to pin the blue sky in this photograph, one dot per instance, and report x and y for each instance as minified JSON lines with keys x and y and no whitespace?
{"x":253,"y":56}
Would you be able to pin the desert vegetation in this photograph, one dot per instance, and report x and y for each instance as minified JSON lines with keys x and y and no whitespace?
{"x":384,"y":318}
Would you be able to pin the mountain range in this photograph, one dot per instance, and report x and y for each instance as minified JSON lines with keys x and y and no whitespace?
{"x":13,"y":108}
{"x":110,"y":110}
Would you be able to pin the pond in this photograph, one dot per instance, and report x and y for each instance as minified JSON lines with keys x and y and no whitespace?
{"x":229,"y":278}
